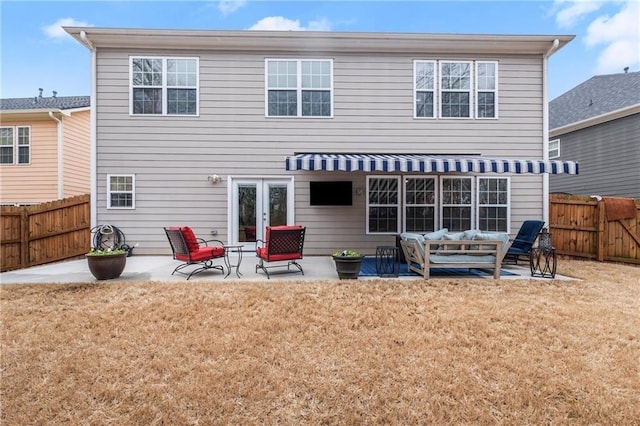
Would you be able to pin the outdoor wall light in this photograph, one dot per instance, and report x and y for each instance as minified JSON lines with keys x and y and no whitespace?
{"x":214,"y":178}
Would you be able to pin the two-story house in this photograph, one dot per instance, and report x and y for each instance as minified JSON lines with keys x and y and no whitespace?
{"x":44,"y":148}
{"x":598,"y":124}
{"x":357,"y":136}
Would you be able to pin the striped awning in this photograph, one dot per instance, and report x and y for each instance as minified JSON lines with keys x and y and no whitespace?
{"x":425,"y":164}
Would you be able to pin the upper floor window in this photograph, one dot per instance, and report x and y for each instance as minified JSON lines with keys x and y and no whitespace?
{"x":455,"y":88}
{"x":121,"y":191}
{"x":554,"y":148}
{"x":425,"y":88}
{"x":299,"y":88}
{"x":487,"y":88}
{"x":164,"y":86}
{"x":15,"y":145}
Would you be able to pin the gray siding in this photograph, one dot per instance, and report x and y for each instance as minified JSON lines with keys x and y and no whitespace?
{"x":608,"y":154}
{"x":373,"y":112}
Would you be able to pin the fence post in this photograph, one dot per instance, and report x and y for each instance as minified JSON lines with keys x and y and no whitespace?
{"x":600,"y":235}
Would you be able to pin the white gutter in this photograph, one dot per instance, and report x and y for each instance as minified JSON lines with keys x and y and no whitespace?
{"x":93,"y":161}
{"x":545,"y":128}
{"x":60,"y":156}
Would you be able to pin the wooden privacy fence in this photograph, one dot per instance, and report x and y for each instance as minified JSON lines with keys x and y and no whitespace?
{"x":45,"y":233}
{"x":596,"y":228}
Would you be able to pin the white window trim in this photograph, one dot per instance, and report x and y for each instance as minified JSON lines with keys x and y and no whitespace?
{"x":436,"y":210}
{"x":299,"y":88}
{"x":508,"y":205}
{"x":16,"y":144}
{"x":470,"y":90}
{"x":164,"y":85}
{"x":557,"y":142}
{"x":399,"y":206}
{"x":433,"y":89}
{"x":133,"y":192}
{"x":441,"y":206}
{"x":494,"y":91}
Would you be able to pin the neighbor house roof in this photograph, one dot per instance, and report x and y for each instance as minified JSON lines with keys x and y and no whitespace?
{"x":599,"y":96}
{"x":44,"y":103}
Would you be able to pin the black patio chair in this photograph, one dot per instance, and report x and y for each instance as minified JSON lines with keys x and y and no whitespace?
{"x":521,"y":245}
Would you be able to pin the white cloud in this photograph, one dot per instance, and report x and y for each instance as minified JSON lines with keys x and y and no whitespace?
{"x":227,"y":7}
{"x":621,"y":35}
{"x":617,"y":36}
{"x":571,"y":11}
{"x":55,"y":30}
{"x":280,"y":23}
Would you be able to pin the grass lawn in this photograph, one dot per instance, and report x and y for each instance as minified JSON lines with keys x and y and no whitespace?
{"x":387,"y":351}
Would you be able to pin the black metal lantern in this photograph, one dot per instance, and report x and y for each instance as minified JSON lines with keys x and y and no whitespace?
{"x":544,"y":239}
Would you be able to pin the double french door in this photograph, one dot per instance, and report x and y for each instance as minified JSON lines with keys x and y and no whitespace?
{"x":257,"y":203}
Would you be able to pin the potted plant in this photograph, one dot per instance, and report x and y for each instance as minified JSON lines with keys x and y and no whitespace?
{"x":348,"y":264}
{"x":106,"y":264}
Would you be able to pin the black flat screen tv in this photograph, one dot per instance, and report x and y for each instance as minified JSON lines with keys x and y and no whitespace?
{"x":330,"y":193}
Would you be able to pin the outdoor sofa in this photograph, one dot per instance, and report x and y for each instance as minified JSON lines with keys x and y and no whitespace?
{"x":442,"y":249}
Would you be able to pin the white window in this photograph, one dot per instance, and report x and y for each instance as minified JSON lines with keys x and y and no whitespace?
{"x":383,"y":205}
{"x":299,"y":88}
{"x":455,"y":89}
{"x":15,"y":145}
{"x":493,"y":204}
{"x":554,"y":148}
{"x":487,"y":89}
{"x":420,"y":204}
{"x":164,"y":86}
{"x":425,"y":88}
{"x":121,"y":191}
{"x":456,"y":209}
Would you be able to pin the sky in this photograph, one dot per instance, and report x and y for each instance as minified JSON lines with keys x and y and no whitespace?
{"x":37,"y":53}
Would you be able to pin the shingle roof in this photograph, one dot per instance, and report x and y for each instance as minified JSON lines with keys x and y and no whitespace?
{"x":36,"y":102}
{"x":599,"y":95}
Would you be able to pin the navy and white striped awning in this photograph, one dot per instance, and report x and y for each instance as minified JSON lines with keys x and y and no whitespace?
{"x":426,"y":164}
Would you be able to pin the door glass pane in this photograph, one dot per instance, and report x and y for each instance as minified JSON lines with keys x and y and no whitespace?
{"x":247,"y":196}
{"x":277,"y":204}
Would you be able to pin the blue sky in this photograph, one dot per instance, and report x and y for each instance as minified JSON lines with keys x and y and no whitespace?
{"x":36,"y":53}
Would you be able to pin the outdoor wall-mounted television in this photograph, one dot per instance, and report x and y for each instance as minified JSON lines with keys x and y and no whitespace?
{"x":330,"y":193}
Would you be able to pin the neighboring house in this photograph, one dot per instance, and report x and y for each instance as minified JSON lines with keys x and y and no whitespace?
{"x":229,"y":131}
{"x":598,"y":124}
{"x":44,"y":148}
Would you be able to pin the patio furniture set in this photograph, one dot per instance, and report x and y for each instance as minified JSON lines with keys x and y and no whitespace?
{"x":439,"y":249}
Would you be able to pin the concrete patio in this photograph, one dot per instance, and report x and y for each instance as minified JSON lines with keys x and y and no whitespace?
{"x":159,"y":268}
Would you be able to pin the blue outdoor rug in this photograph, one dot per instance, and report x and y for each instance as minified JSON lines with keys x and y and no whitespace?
{"x":368,"y":269}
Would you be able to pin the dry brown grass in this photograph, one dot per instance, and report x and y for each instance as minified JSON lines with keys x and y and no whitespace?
{"x":360,"y":352}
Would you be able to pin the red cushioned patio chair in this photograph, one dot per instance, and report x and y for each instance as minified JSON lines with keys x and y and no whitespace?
{"x":193,"y":251}
{"x":281,"y":243}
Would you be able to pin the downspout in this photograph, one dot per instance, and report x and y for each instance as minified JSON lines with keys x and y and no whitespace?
{"x":60,"y":157}
{"x":93,"y":156}
{"x":545,"y":129}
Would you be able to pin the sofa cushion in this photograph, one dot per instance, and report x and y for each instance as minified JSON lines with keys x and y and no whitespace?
{"x":462,"y":259}
{"x":416,"y":238}
{"x":451,"y":236}
{"x":436,"y":235}
{"x":493,"y":236}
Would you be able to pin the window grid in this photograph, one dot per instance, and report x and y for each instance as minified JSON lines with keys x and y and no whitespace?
{"x":487,"y":89}
{"x":15,"y":145}
{"x":420,"y":204}
{"x":120,"y":191}
{"x":554,"y":148}
{"x":164,"y":86}
{"x":383,"y":204}
{"x":455,"y":88}
{"x":457,"y":203}
{"x":299,"y":88}
{"x":424,"y":86}
{"x":493,"y":204}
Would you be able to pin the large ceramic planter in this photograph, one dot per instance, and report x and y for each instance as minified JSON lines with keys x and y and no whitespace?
{"x":348,"y":267}
{"x":107,"y":266}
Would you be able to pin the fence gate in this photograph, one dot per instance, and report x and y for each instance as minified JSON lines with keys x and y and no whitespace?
{"x":599,"y":228}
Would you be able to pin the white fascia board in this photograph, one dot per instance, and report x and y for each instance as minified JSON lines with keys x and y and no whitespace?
{"x":593,"y":121}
